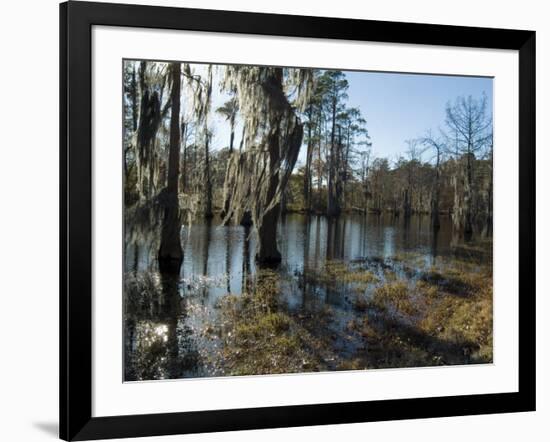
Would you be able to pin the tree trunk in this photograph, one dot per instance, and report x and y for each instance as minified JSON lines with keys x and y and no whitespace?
{"x":145,"y":143}
{"x":260,"y":173}
{"x":406,"y":204}
{"x":457,"y":180}
{"x":170,"y":252}
{"x":307,"y":172}
{"x":434,"y":204}
{"x":184,"y":154}
{"x":226,"y":196}
{"x":207,"y":175}
{"x":283,"y":203}
{"x":319,"y":172}
{"x":332,"y":200}
{"x":338,"y":174}
{"x":232,"y":136}
{"x":345,"y":171}
{"x":434,"y":208}
{"x":134,"y":99}
{"x":226,"y":190}
{"x":319,"y":199}
{"x":207,"y":179}
{"x":267,"y":251}
{"x":468,"y":197}
{"x":489,"y":220}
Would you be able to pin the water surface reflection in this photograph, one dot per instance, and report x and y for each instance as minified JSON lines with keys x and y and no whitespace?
{"x":177,"y":327}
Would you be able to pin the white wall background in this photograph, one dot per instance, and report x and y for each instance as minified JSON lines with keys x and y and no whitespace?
{"x":29,"y":218}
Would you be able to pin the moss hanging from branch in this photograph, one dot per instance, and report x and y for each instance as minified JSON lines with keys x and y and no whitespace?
{"x":258,"y":175}
{"x":201,"y":97}
{"x":152,"y":81}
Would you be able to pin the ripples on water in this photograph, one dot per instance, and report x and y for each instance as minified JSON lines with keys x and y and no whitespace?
{"x":173,"y":324}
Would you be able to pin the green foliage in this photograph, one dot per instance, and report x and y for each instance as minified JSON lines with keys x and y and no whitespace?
{"x":339,"y":167}
{"x":334,"y":273}
{"x":258,"y":339}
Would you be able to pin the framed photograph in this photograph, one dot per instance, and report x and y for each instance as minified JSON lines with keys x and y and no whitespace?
{"x":272,"y":221}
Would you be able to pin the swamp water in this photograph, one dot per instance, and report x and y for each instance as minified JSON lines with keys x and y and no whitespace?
{"x":357,"y":292}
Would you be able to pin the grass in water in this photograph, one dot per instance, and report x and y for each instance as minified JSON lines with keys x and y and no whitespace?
{"x":260,"y":337}
{"x":440,"y":316}
{"x":445,"y":317}
{"x":335,"y":273}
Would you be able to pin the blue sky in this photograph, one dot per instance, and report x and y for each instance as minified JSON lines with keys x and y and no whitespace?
{"x":397,"y":107}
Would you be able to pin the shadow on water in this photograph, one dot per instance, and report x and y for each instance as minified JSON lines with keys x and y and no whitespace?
{"x":178,"y":325}
{"x":158,"y":342}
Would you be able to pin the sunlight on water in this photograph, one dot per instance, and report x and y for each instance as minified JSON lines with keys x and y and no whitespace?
{"x":331,"y":271}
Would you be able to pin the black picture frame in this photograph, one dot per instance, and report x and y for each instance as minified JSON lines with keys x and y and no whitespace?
{"x":76,"y":21}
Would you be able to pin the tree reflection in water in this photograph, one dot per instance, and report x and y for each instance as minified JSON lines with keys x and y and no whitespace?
{"x":352,"y":292}
{"x":159,"y":344}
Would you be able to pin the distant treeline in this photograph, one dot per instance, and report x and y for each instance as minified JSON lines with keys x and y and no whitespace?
{"x":273,"y":114}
